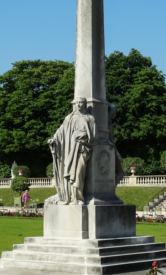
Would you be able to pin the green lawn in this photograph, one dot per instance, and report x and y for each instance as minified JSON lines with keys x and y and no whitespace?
{"x":154,"y":229}
{"x":139,"y":196}
{"x":36,"y":193}
{"x":13,"y":230}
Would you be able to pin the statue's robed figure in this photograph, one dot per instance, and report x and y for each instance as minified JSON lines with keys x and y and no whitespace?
{"x":71,"y":148}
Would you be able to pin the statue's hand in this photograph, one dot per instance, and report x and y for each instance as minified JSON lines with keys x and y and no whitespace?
{"x":50,"y":141}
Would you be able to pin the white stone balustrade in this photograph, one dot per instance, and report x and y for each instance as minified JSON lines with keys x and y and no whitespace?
{"x":34,"y":182}
{"x":41,"y":182}
{"x":5,"y":183}
{"x":147,"y":181}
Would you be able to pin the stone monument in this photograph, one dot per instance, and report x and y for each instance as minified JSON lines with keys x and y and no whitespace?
{"x":86,"y":162}
{"x":87,"y":228}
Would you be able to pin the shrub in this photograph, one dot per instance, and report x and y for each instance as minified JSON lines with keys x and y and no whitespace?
{"x":163,"y":161}
{"x":129,"y":161}
{"x":23,"y":169}
{"x":49,"y":170}
{"x":20,"y":184}
{"x":152,"y":168}
{"x":5,"y":171}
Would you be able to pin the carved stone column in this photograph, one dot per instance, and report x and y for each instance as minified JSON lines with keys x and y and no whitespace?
{"x":90,"y":83}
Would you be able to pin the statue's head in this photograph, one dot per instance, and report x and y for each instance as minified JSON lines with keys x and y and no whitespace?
{"x":80,"y":103}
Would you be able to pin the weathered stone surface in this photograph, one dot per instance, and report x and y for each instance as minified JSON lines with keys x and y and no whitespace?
{"x":100,"y":183}
{"x":88,"y":257}
{"x":108,"y":221}
{"x":71,"y":147}
{"x":89,"y":221}
{"x":66,"y":221}
{"x":90,"y":68}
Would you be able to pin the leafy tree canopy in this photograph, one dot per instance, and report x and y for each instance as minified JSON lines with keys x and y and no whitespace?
{"x":139,"y":91}
{"x":31,"y":99}
{"x":35,"y":96}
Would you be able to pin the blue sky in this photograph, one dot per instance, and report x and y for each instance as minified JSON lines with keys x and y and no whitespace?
{"x":45,"y":29}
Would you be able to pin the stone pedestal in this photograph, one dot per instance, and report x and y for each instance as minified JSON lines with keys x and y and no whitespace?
{"x":89,"y":221}
{"x":66,"y":221}
{"x":111,"y":221}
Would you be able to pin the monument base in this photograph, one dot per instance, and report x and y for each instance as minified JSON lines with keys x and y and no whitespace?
{"x":89,"y":221}
{"x":84,"y":240}
{"x":40,"y":256}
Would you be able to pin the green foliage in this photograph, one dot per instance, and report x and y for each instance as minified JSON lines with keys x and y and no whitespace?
{"x":163,"y":161}
{"x":139,"y":92}
{"x":4,"y":171}
{"x":49,"y":170}
{"x":34,"y":99}
{"x":131,"y":161}
{"x":35,"y":96}
{"x":152,"y":168}
{"x":21,"y":169}
{"x":20,"y":184}
{"x":142,"y":167}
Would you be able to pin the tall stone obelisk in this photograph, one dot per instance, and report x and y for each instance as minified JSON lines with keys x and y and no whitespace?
{"x":90,"y":83}
{"x":90,"y":69}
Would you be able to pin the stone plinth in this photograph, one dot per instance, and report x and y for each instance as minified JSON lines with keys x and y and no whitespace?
{"x":109,"y":221}
{"x":66,"y":221}
{"x":89,"y":221}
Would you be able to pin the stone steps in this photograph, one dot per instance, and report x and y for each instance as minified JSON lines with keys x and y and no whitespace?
{"x":79,"y":269}
{"x":95,"y":257}
{"x":92,"y":243}
{"x":114,"y":255}
{"x":102,"y":251}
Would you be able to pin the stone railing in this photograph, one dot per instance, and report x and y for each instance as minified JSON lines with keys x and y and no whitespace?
{"x":34,"y":182}
{"x":5,"y":183}
{"x":147,"y":181}
{"x":152,"y":180}
{"x":41,"y":182}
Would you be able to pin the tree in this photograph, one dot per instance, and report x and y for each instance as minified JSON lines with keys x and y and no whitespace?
{"x":20,"y":184}
{"x":4,"y":171}
{"x":35,"y":96}
{"x":131,"y":161}
{"x":163,"y":161}
{"x":139,"y":92}
{"x":32,"y":104}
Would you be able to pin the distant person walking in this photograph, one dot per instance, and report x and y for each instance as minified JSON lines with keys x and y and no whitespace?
{"x":25,"y":198}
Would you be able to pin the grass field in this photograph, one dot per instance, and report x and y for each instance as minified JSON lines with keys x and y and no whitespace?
{"x":139,"y":196}
{"x":40,"y":194}
{"x":13,"y":230}
{"x":158,"y":230}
